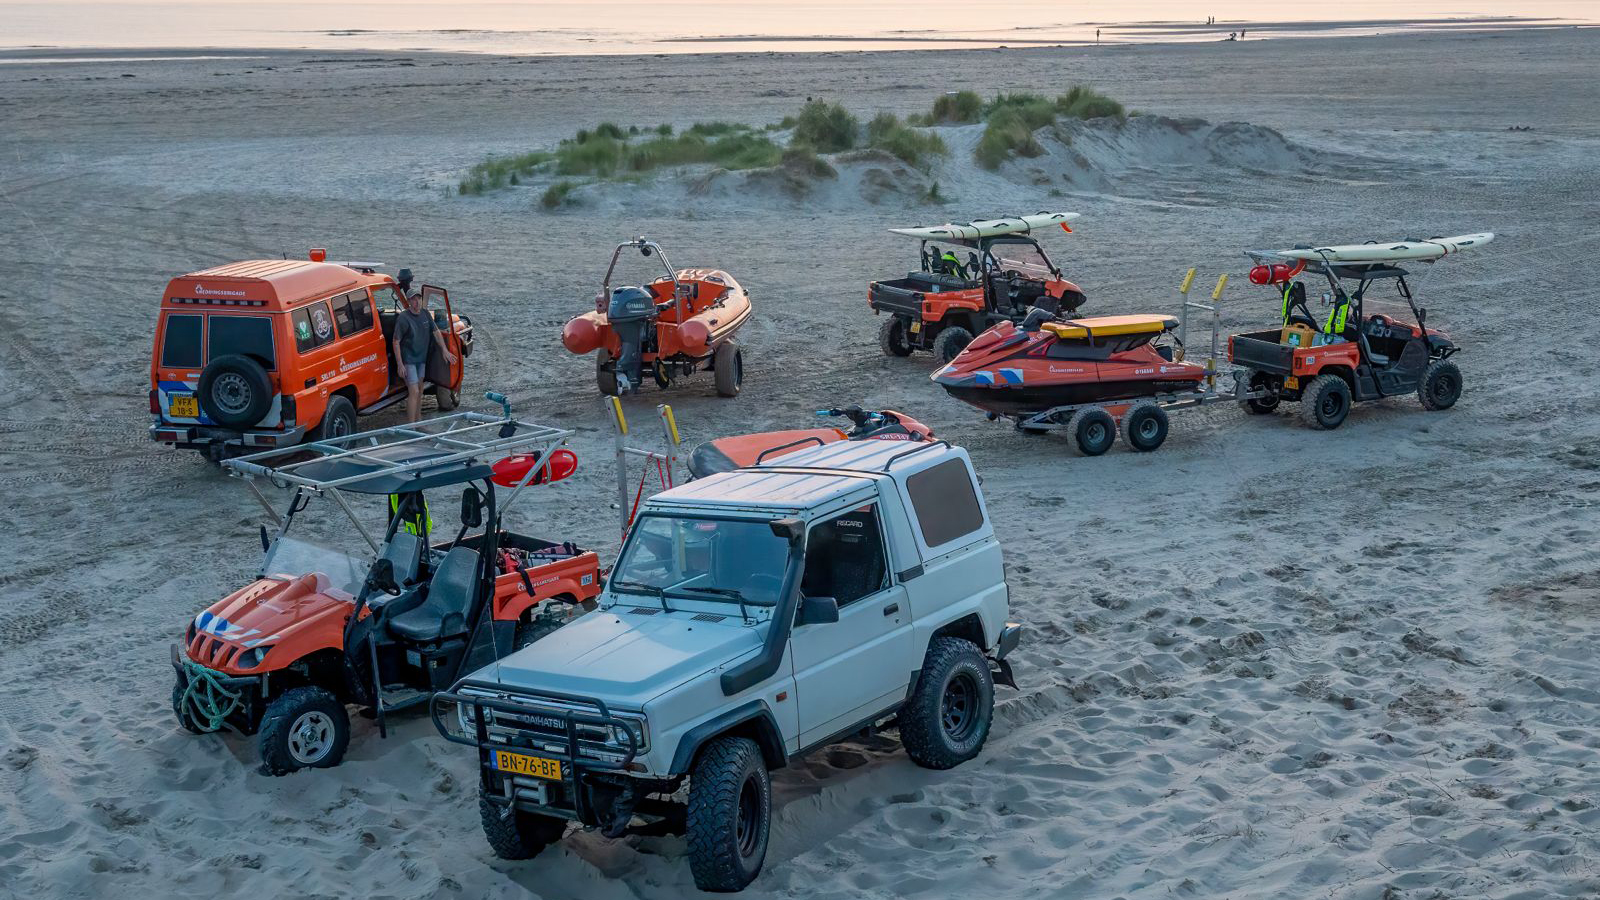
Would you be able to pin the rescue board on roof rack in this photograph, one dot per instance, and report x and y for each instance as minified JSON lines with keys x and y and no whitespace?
{"x":1392,"y":251}
{"x":972,"y":231}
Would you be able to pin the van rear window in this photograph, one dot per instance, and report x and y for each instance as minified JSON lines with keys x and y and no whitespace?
{"x":353,"y":313}
{"x":947,"y":506}
{"x":180,"y":348}
{"x":244,"y":335}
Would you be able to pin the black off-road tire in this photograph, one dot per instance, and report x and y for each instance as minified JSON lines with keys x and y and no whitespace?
{"x":947,"y":719}
{"x":1093,"y":430}
{"x":1144,"y":427}
{"x":1260,"y":406}
{"x":1441,"y":385}
{"x":730,"y":814}
{"x":338,"y":420}
{"x":728,"y":369}
{"x":280,"y":724}
{"x":234,"y":391}
{"x":950,"y":342}
{"x":892,"y":337}
{"x":605,"y":372}
{"x":185,"y":720}
{"x":520,"y":835}
{"x":1325,"y":402}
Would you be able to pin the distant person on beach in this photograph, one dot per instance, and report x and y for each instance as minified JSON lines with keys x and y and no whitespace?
{"x":1241,"y":34}
{"x":1097,"y":35}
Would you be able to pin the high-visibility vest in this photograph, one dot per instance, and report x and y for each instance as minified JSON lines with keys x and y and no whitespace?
{"x":956,"y":268}
{"x":1286,"y":302}
{"x":1337,"y":316}
{"x":413,"y":525}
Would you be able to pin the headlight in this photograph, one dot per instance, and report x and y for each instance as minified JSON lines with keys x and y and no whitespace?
{"x":252,"y":657}
{"x":641,"y":732}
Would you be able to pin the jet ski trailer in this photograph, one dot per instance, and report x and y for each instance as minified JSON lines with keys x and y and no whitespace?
{"x":1031,"y":375}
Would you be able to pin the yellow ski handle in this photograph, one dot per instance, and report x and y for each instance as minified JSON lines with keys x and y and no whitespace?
{"x":1188,"y":279}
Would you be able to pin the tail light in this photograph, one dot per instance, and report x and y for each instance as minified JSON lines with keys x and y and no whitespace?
{"x":286,"y":411}
{"x":155,"y":403}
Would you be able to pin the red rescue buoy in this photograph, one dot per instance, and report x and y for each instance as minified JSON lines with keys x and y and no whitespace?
{"x":510,"y":471}
{"x":1277,"y":273}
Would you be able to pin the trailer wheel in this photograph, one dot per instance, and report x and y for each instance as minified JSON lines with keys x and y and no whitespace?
{"x":892,"y":337}
{"x":1260,"y":406}
{"x":728,"y":367}
{"x":950,"y":342}
{"x":306,"y":728}
{"x":514,"y":834}
{"x":1093,"y":429}
{"x":1441,"y":385}
{"x":1325,"y":402}
{"x":605,"y":372}
{"x":1145,"y":427}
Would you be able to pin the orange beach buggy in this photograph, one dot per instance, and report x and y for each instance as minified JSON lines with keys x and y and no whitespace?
{"x":973,"y":277}
{"x":268,"y":353}
{"x":406,"y":612}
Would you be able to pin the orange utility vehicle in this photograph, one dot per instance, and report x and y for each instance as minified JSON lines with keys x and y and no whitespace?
{"x":670,"y":327}
{"x":1357,"y":352}
{"x":973,"y":277}
{"x":269,"y":353}
{"x":384,"y":625}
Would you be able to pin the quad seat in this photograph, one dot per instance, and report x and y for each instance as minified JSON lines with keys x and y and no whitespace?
{"x":1110,"y":326}
{"x":450,"y":593}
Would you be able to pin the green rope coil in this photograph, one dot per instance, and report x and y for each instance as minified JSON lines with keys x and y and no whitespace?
{"x":206,"y":701}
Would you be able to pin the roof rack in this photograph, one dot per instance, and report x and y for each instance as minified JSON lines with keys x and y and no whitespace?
{"x":445,"y":450}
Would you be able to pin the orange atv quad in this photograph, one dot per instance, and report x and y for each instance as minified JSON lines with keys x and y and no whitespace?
{"x":387,"y":624}
{"x":1355,"y":353}
{"x":973,"y":277}
{"x":670,"y":327}
{"x":269,"y":353}
{"x":738,"y":451}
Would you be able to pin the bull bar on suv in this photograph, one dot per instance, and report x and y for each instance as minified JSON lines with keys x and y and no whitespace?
{"x":547,"y":724}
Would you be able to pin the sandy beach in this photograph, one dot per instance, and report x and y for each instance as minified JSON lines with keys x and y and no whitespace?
{"x":1261,"y":662}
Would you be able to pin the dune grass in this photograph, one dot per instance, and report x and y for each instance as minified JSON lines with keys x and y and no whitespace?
{"x":609,"y":151}
{"x":1012,"y":119}
{"x":915,"y":146}
{"x":825,"y":127}
{"x":499,"y":171}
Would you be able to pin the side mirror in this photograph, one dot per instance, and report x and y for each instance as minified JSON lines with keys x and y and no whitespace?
{"x":818,"y":611}
{"x":471,"y":508}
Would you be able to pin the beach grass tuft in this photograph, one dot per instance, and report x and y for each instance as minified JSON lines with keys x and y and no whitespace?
{"x":915,"y":146}
{"x":825,"y":127}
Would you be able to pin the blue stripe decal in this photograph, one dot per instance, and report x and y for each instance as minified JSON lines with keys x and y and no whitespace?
{"x":1012,"y":376}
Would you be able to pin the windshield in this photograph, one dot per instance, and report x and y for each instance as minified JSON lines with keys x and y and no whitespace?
{"x":291,"y":558}
{"x":702,"y":559}
{"x":1024,"y":259}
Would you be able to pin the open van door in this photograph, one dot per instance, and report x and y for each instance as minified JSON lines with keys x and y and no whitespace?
{"x":441,"y":373}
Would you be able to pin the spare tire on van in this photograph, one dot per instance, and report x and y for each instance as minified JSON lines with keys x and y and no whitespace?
{"x":234,"y":391}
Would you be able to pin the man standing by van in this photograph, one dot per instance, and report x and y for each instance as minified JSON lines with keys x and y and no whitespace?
{"x":414,"y":334}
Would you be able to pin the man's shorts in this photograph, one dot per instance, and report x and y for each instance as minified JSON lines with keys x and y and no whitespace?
{"x":413,"y":372}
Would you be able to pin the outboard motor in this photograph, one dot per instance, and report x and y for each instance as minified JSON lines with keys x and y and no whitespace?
{"x":632,"y":315}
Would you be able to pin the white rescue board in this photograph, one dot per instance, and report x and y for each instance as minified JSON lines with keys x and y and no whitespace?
{"x":971,"y":231}
{"x":1392,"y":251}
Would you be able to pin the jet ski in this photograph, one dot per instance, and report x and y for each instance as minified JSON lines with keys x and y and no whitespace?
{"x":1018,"y":371}
{"x":729,"y":453}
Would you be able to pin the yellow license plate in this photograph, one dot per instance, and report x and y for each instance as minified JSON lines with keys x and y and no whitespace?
{"x":187,"y":407}
{"x":916,"y":327}
{"x":520,"y":764}
{"x":1291,"y":382}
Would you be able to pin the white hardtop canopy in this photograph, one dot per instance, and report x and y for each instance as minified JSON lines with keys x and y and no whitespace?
{"x":1382,"y":252}
{"x":972,"y":231}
